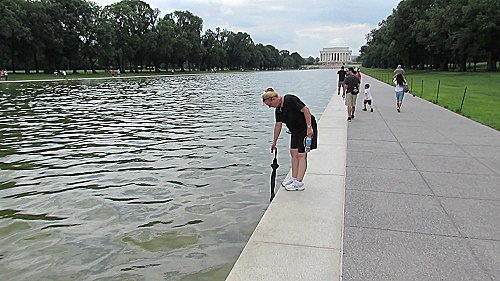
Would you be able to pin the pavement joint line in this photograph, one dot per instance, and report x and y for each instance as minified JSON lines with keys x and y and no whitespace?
{"x":420,"y":154}
{"x":468,"y":198}
{"x":426,"y":171}
{"x":378,"y":168}
{"x":390,"y":192}
{"x":406,"y":231}
{"x":424,"y":233}
{"x":486,"y":166}
{"x":297,"y":245}
{"x":429,"y":195}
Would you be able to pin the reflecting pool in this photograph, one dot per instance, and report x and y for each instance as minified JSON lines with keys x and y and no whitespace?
{"x":159,"y":178}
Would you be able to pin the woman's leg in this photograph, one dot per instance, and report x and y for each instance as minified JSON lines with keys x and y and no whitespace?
{"x":302,"y":165}
{"x":294,"y":152}
{"x":399,"y":99}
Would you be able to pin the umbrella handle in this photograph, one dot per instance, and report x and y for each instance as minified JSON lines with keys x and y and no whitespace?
{"x":275,"y":152}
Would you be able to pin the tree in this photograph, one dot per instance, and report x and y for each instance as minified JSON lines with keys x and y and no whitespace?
{"x":187,"y":39}
{"x":297,"y":60}
{"x":214,"y":55}
{"x":91,"y":34}
{"x":165,"y":42}
{"x":239,"y":49}
{"x":14,"y":34}
{"x":483,"y":29}
{"x":75,"y":34}
{"x":133,"y":22}
{"x":436,"y":32}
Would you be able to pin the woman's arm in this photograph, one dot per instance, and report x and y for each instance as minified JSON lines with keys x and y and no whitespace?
{"x":277,"y":131}
{"x":307,"y":116}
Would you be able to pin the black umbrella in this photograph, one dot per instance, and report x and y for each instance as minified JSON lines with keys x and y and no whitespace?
{"x":275,"y":166}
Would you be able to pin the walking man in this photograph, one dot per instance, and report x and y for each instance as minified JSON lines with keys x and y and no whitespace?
{"x":351,"y":90}
{"x":399,"y":70}
{"x":341,"y":73}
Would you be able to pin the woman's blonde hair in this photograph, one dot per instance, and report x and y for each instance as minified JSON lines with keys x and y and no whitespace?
{"x":269,"y":93}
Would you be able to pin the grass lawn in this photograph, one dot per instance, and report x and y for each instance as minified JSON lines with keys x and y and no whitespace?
{"x":482,"y":97}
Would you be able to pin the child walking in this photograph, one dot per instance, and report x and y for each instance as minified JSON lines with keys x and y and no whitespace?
{"x":368,"y":98}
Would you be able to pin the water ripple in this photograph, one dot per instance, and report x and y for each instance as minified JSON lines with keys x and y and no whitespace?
{"x":108,"y":179}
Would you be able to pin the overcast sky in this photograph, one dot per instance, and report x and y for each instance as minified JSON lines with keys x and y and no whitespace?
{"x":303,"y":26}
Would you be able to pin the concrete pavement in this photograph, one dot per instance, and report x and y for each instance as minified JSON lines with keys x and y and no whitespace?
{"x":422,"y":200}
{"x":422,"y":193}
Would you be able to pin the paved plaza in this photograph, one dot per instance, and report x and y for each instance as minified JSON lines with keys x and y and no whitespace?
{"x":422,"y":193}
{"x":389,"y":196}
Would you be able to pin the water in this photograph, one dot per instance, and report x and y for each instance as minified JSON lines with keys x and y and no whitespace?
{"x":139,"y":179}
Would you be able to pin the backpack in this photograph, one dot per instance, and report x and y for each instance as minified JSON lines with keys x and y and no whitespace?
{"x":354,"y":90}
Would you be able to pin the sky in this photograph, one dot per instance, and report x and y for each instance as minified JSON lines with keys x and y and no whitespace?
{"x":302,"y":26}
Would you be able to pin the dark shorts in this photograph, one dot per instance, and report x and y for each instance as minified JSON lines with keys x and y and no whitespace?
{"x":297,"y":139}
{"x":367,"y":102}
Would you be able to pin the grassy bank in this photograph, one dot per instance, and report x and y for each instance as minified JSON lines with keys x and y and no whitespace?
{"x":482,"y":91}
{"x":21,"y":76}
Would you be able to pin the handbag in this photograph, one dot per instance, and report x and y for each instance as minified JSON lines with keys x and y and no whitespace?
{"x":405,"y":88}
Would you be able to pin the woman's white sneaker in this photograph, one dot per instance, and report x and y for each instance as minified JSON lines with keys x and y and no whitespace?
{"x":288,"y":181}
{"x":295,"y":185}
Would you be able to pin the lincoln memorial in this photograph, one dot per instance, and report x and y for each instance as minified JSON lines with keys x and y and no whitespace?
{"x":335,"y":55}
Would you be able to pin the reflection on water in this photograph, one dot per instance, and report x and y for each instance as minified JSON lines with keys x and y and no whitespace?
{"x":140,"y":179}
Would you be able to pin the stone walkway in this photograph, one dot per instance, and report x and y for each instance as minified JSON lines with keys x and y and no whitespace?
{"x":422,"y":193}
{"x":422,"y":200}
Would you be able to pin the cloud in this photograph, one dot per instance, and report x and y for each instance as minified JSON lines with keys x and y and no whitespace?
{"x":299,"y":26}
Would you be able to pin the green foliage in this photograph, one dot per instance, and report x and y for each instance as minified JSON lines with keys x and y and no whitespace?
{"x":79,"y":34}
{"x":435,"y":34}
{"x":482,"y":98}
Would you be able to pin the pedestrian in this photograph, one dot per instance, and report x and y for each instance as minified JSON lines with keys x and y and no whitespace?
{"x":118,"y":72}
{"x":358,"y":74}
{"x":63,"y":74}
{"x":5,"y":75}
{"x":289,"y":109}
{"x":341,"y":73}
{"x":398,"y":70}
{"x":55,"y":73}
{"x":368,"y":98}
{"x":351,"y":90}
{"x":113,"y":73}
{"x":399,"y":81}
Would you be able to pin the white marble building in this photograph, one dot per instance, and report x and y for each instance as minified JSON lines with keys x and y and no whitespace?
{"x":335,"y":55}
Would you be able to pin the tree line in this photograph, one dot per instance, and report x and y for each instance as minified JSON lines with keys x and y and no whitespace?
{"x":436,"y":34}
{"x":53,"y":35}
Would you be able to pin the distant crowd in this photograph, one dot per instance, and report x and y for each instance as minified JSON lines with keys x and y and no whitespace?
{"x":350,"y":82}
